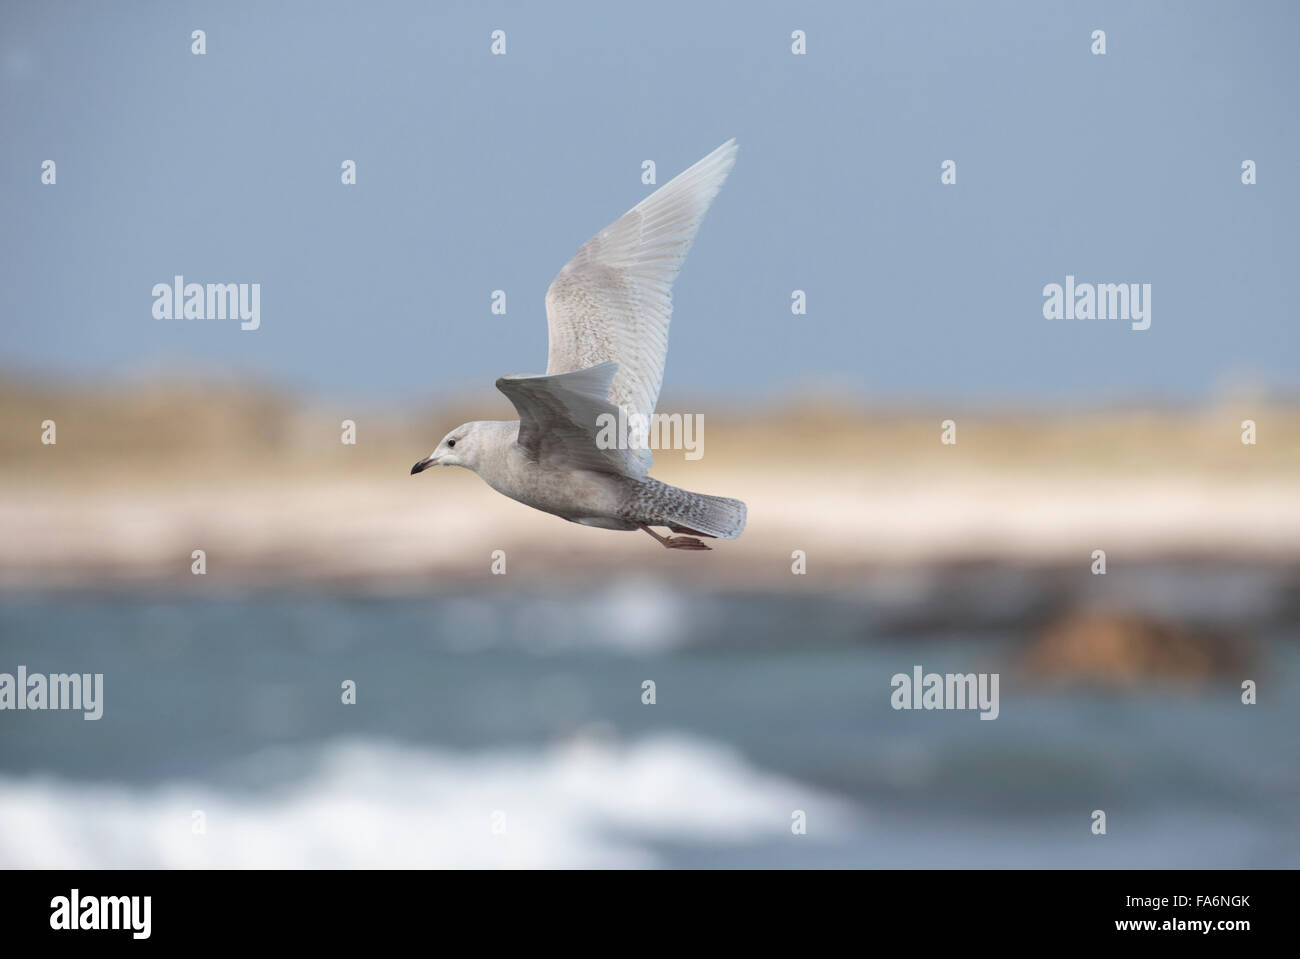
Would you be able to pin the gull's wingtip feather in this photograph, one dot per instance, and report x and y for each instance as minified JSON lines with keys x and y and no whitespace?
{"x":723,"y":156}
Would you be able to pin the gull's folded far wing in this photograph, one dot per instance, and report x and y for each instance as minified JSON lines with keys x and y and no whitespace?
{"x":613,"y":301}
{"x":560,"y":420}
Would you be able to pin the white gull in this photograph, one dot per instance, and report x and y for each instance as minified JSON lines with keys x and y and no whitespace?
{"x":607,"y":314}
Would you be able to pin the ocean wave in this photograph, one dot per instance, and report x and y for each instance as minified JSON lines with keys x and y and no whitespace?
{"x":590,"y":802}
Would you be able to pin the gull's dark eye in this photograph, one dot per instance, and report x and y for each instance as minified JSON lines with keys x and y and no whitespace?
{"x":450,"y":443}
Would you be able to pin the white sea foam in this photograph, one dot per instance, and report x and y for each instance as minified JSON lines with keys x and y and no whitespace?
{"x":589,"y":802}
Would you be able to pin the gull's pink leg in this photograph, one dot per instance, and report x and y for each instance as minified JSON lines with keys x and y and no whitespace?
{"x":675,"y":542}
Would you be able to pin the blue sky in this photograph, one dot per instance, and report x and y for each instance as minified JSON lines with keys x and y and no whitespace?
{"x":478,"y":173}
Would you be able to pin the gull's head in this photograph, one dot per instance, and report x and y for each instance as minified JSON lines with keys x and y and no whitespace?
{"x":460,"y":447}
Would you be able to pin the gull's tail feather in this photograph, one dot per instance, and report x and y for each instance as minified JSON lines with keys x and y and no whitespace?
{"x":658,"y":504}
{"x":718,"y":516}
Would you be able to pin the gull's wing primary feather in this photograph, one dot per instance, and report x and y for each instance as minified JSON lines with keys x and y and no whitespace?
{"x":613,"y":300}
{"x":559,"y":419}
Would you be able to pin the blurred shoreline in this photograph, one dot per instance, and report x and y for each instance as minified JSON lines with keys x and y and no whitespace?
{"x":142,"y":475}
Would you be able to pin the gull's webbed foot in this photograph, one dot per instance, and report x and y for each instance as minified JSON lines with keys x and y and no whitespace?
{"x":676,"y":542}
{"x":685,"y":542}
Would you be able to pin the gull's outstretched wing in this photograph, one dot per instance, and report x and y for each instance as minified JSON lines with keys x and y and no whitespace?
{"x":560,"y":420}
{"x":613,"y":300}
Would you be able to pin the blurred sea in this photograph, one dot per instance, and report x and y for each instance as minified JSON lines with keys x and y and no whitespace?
{"x":508,"y":729}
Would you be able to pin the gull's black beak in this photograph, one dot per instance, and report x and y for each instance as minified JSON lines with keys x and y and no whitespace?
{"x":421,"y":466}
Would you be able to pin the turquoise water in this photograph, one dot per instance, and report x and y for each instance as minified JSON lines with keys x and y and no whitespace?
{"x":510,"y":730}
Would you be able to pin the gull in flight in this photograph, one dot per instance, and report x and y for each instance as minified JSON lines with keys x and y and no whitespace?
{"x":607,"y":314}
